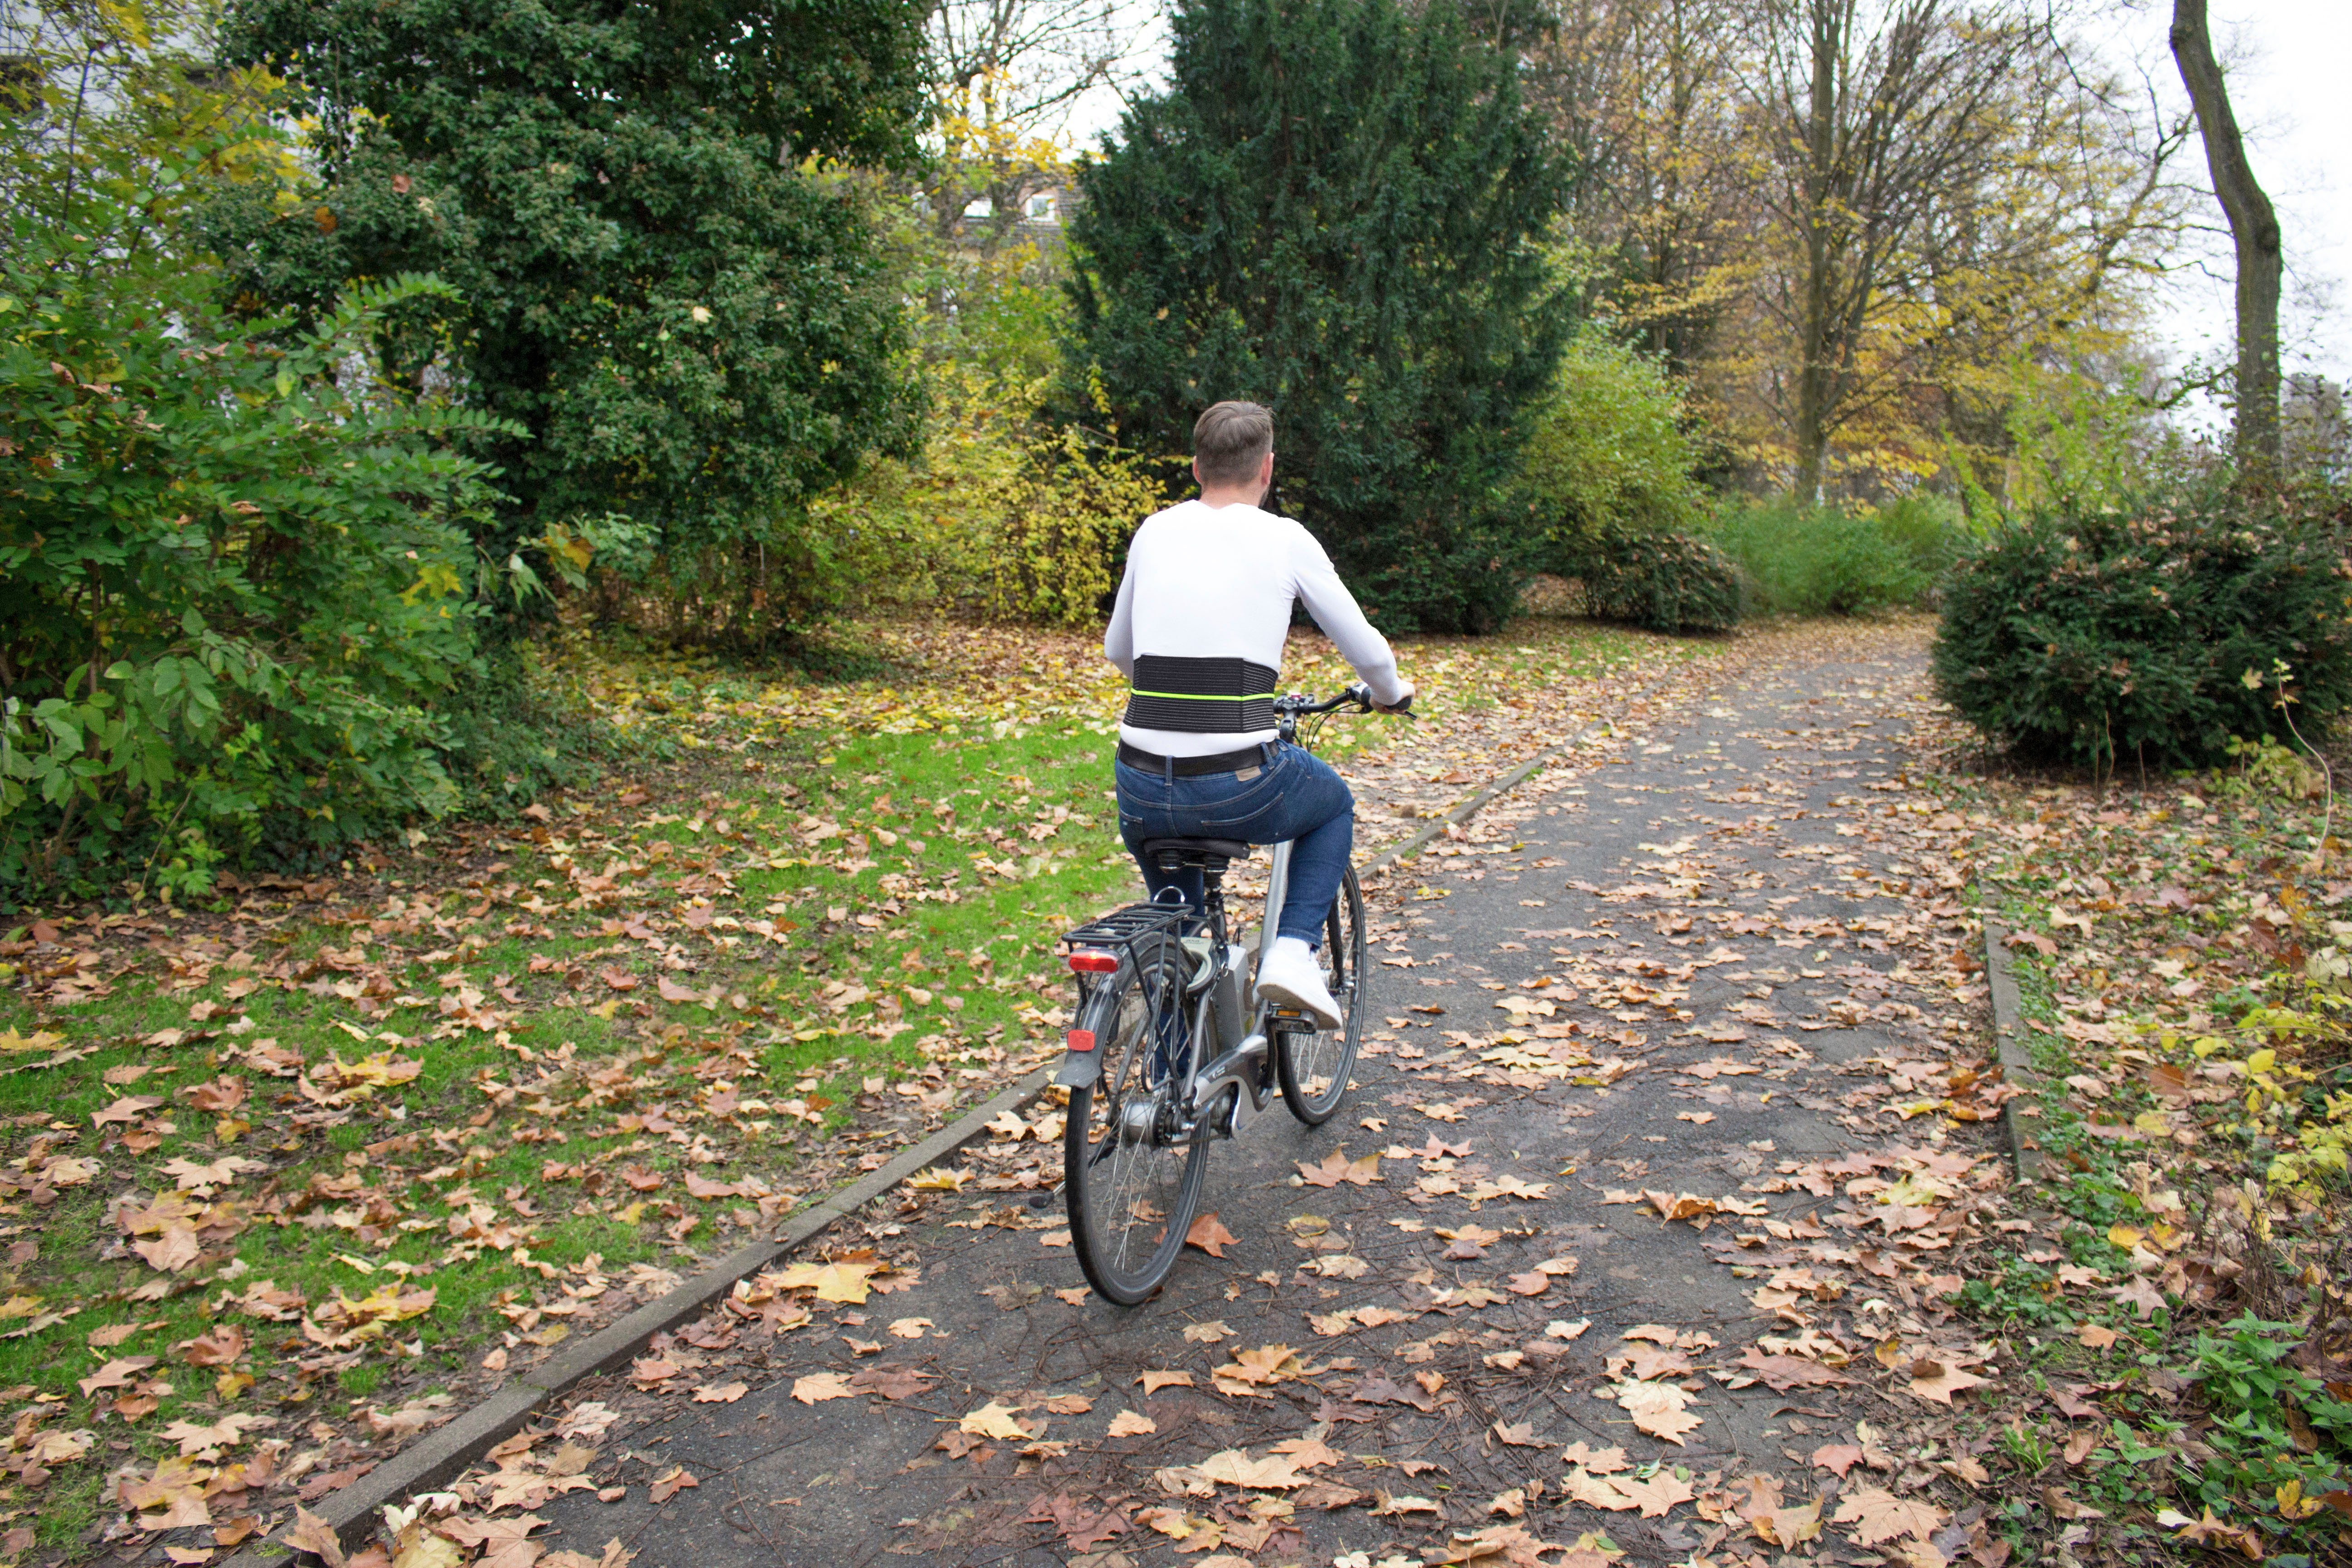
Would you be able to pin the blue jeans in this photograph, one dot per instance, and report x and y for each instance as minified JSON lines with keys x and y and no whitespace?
{"x":1295,"y":796}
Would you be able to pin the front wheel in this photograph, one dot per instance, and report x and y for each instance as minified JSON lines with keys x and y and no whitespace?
{"x":1130,"y":1190}
{"x":1313,"y":1068}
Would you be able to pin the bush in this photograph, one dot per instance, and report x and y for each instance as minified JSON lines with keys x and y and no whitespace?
{"x":233,"y":579}
{"x":1812,"y":560}
{"x":1608,"y":445}
{"x":1667,"y":582}
{"x":2157,"y":634}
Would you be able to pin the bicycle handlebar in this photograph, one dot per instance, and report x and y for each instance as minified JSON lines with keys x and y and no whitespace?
{"x":1358,"y":697}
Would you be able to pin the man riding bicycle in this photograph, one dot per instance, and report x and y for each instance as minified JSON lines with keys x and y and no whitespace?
{"x":1198,"y":631}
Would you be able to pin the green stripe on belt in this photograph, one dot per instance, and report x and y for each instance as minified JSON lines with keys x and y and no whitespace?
{"x":1196,"y":697}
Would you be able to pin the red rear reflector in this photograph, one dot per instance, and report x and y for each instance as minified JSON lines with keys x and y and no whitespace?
{"x":1093,"y":961}
{"x":1082,"y":1040}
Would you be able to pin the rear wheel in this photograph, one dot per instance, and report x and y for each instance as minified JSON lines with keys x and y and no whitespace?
{"x":1313,"y":1068}
{"x":1130,"y":1191}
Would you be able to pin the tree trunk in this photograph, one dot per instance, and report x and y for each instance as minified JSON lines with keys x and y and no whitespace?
{"x":2255,"y":228}
{"x":1829,"y":21}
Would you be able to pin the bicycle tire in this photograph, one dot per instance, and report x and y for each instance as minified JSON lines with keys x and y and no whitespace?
{"x":1314,"y":1069}
{"x":1116,"y":1192}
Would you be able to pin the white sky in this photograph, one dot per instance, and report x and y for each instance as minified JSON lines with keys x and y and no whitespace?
{"x":2290,"y":74}
{"x":2290,"y":68}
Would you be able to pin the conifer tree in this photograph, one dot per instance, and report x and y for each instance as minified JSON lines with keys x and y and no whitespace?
{"x":691,"y":322}
{"x":1334,"y":210}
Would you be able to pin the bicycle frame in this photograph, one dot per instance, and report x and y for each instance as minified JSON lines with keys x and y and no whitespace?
{"x":1245,"y":1066}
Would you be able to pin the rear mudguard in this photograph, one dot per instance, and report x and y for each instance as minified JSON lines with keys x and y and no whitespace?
{"x":1082,"y":1064}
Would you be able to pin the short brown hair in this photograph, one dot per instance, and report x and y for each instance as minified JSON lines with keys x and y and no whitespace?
{"x":1230,"y":441}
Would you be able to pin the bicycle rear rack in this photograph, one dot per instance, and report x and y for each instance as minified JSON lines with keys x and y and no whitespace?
{"x":1132,"y":928}
{"x":1150,"y":935}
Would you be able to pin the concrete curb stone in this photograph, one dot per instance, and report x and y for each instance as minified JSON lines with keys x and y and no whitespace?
{"x":2016,"y":1061}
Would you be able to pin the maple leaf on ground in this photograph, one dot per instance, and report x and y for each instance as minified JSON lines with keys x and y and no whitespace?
{"x":1518,"y":1435}
{"x":1656,"y":1408}
{"x":1836,"y":1457}
{"x":1789,"y":1527}
{"x":316,"y":1536}
{"x":1209,"y":1234}
{"x":1154,"y":1381}
{"x":1128,"y":1423}
{"x":2210,"y":1532}
{"x":1783,"y":1372}
{"x":1600,"y":1462}
{"x":1658,"y":1495}
{"x":2138,"y":1293}
{"x":1528,"y":1284}
{"x":847,"y":1283}
{"x":724,"y":1393}
{"x":1672,"y":1206}
{"x":893,"y":1382}
{"x":1234,"y":1468}
{"x":671,"y":1482}
{"x":1508,"y":1544}
{"x":116,"y":1373}
{"x":1207,"y":1334}
{"x":1592,"y":1491}
{"x":1879,"y":1515}
{"x":994,"y":1420}
{"x":228,"y":1432}
{"x":1306,"y":1452}
{"x":502,"y":1540}
{"x":820,"y":1386}
{"x":1393,"y":1506}
{"x":216,"y":1347}
{"x":1336,"y":1168}
{"x":1937,"y":1381}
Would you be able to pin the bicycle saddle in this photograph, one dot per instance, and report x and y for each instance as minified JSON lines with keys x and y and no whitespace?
{"x":1168,"y":854}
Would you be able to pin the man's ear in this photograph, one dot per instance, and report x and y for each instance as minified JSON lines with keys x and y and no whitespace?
{"x":1265,"y":471}
{"x":1196,"y":474}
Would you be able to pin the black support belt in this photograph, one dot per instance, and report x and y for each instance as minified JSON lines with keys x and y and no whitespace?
{"x":1201,"y":696}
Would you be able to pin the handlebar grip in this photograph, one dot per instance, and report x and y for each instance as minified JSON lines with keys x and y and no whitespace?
{"x":1405,"y":706}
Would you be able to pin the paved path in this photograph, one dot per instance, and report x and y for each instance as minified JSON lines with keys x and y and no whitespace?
{"x":1739,"y":918}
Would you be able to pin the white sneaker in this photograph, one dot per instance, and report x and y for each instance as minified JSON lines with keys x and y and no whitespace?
{"x":1290,"y":977}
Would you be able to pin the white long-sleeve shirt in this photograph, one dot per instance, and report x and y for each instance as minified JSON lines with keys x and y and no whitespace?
{"x":1206,"y":581}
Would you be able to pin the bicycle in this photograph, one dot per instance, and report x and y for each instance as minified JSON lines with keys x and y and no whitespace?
{"x":1159,"y":983}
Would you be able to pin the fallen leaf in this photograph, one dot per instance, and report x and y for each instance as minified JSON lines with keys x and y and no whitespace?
{"x":669,"y":1483}
{"x":1656,"y":1408}
{"x":819,"y":1386}
{"x":1209,"y":1234}
{"x":1659,"y":1494}
{"x":313,"y":1534}
{"x":1128,"y":1423}
{"x":728,"y":1392}
{"x":1879,"y":1515}
{"x":1234,"y":1468}
{"x":1937,"y":1381}
{"x":1836,"y":1457}
{"x":994,"y":1420}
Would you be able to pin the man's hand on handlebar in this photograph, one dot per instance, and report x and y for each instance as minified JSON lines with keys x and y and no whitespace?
{"x":1401,"y":705}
